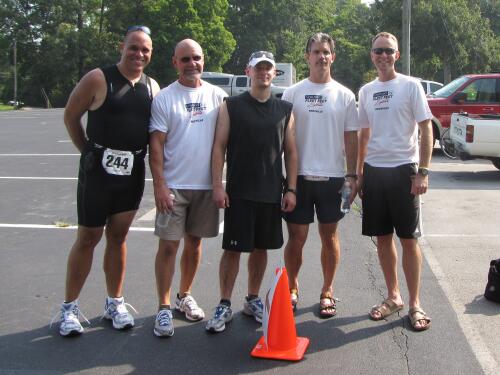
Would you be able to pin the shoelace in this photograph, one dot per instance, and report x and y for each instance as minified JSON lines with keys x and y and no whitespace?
{"x":163,"y":317}
{"x":75,"y":311}
{"x":219,"y":311}
{"x":120,"y":309}
{"x":190,"y":303}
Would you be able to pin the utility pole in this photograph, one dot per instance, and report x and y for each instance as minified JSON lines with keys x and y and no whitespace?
{"x":406,"y":36}
{"x":14,"y":61}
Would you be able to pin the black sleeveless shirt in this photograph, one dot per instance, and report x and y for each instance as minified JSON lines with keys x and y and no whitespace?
{"x":122,"y":121}
{"x":255,"y":146}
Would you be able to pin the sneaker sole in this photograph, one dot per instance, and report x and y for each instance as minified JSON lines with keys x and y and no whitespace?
{"x":216,"y":330}
{"x":251,"y":314}
{"x":119,"y":326}
{"x":189,"y":317}
{"x":71,"y":333}
{"x":162,"y":334}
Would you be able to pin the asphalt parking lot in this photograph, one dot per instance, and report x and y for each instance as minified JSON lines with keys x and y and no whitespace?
{"x":38,"y":167}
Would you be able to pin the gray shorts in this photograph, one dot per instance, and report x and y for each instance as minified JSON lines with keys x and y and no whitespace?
{"x":194,"y":213}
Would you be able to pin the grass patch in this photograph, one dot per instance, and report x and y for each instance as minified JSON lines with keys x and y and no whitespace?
{"x":4,"y":107}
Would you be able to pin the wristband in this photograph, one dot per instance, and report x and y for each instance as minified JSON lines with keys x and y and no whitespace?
{"x":290,"y":190}
{"x":351,"y":175}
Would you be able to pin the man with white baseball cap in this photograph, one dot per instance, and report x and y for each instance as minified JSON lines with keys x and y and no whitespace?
{"x":253,"y":130}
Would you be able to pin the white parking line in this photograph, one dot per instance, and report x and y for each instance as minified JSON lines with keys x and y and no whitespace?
{"x":39,"y":226}
{"x":40,"y":154}
{"x":476,"y":343}
{"x":45,"y":226}
{"x":44,"y":178}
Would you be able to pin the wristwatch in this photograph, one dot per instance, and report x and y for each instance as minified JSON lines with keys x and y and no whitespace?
{"x":423,"y":171}
{"x":294,"y":191}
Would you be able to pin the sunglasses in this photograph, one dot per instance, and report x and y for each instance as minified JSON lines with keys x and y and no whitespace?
{"x":187,"y":59}
{"x":260,"y":54}
{"x":379,"y":51}
{"x":142,"y":28}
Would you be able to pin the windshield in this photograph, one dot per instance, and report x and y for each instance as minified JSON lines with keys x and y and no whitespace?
{"x":450,"y":88}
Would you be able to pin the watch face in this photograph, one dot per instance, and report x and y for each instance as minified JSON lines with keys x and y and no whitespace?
{"x":423,"y":171}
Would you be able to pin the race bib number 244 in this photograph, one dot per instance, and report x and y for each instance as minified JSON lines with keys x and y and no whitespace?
{"x":118,"y":162}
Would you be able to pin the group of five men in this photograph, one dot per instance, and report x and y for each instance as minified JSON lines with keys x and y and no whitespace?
{"x":193,"y":128}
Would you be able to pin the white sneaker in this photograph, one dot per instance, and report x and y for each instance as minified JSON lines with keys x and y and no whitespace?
{"x":70,"y":319}
{"x":164,"y":326}
{"x":222,"y":315}
{"x":115,"y":309}
{"x":189,"y":307}
{"x":254,"y":308}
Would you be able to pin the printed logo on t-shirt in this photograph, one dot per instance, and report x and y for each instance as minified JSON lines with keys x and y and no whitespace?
{"x":196,"y":109}
{"x":381,"y":100}
{"x":315,"y":103}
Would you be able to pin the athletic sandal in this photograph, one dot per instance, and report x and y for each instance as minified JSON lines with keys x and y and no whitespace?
{"x":294,"y":298}
{"x":416,"y":314}
{"x":327,"y":306}
{"x":386,"y":308}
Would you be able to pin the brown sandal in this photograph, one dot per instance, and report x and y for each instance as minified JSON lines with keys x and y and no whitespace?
{"x":416,"y":314}
{"x":327,"y":306}
{"x":294,"y":298}
{"x":386,"y":308}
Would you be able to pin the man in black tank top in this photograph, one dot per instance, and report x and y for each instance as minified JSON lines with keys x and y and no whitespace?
{"x":253,"y":130}
{"x":111,"y":175}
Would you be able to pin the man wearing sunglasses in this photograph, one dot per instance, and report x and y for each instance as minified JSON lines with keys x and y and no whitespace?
{"x":393,"y":168}
{"x":253,"y":131}
{"x":182,"y":129}
{"x":327,"y":125}
{"x":118,"y":100}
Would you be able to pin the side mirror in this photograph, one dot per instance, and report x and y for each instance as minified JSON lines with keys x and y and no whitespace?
{"x":460,"y":98}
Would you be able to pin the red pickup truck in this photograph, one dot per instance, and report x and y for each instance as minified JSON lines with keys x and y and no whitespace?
{"x":471,"y":93}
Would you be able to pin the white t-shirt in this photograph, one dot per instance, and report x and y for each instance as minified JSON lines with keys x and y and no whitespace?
{"x":188,"y":117}
{"x":392,"y":110}
{"x":323,"y":112}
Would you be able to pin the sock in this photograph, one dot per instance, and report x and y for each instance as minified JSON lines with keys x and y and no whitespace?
{"x":164,"y":307}
{"x":251,"y":297}
{"x":225,"y":302}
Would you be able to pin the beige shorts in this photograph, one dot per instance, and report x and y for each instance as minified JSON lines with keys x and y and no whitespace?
{"x":194,"y":213}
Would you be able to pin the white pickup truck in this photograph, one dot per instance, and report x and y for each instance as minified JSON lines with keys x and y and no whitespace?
{"x":476,"y":136}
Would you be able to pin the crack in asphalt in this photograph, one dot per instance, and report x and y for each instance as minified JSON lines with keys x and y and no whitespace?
{"x":404,"y":345}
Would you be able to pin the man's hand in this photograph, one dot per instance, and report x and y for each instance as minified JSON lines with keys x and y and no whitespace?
{"x":220,"y":197}
{"x":419,"y":184}
{"x":164,"y":198}
{"x":288,"y":202}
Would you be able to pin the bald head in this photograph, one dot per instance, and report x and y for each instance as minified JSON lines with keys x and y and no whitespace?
{"x":188,"y":61}
{"x":189,"y":44}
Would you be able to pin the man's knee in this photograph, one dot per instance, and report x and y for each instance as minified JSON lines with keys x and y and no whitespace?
{"x":168,"y":247}
{"x":88,"y":238}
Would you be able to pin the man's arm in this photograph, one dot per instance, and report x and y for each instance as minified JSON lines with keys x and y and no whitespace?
{"x":291,"y":166}
{"x":218,"y":156}
{"x":163,"y":200}
{"x":420,"y":183}
{"x":351,"y":156}
{"x":364,"y":137}
{"x":85,"y":94}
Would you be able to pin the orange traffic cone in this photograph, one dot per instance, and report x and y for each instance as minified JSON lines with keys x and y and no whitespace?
{"x":282,"y":341}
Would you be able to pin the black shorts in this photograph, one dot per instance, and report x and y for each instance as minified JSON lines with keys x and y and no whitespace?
{"x":388,"y":204}
{"x":252,"y":225}
{"x":323,"y":195}
{"x":100,"y":194}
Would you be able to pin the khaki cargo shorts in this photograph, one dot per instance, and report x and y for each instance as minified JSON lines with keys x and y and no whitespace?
{"x":194,"y":213}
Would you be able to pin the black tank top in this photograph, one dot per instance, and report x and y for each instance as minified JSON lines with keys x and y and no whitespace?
{"x":122,"y":121}
{"x":255,"y":146}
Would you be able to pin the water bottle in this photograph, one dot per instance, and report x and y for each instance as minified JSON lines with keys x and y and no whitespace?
{"x":345,"y":206}
{"x":163,"y":217}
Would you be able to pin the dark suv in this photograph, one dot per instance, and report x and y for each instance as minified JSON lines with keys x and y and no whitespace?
{"x":471,"y":93}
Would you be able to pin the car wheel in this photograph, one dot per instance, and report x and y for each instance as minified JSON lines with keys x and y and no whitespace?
{"x":496,"y":162}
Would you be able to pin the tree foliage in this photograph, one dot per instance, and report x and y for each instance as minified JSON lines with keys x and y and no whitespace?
{"x":60,"y":40}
